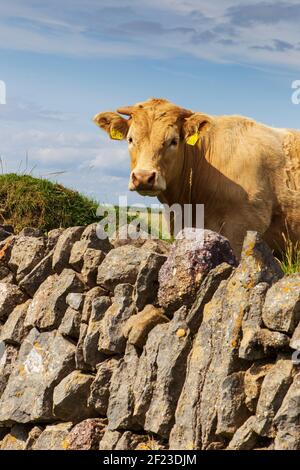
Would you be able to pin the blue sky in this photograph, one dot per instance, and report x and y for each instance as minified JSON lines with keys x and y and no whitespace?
{"x":63,"y":61}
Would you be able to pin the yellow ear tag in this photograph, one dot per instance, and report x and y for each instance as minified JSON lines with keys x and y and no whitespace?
{"x":193,"y":139}
{"x":116,"y":135}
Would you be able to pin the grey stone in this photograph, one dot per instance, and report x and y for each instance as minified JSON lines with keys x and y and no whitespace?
{"x":274,"y":388}
{"x":260,"y":343}
{"x":64,"y":246}
{"x":110,"y":440}
{"x":10,"y":297}
{"x":99,"y":395}
{"x":75,"y":300}
{"x":26,"y":253}
{"x":89,"y":239}
{"x":287,"y":419}
{"x":14,"y":330}
{"x":16,"y":439}
{"x":44,"y":360}
{"x":253,"y":381}
{"x":49,"y":303}
{"x":232,"y":412}
{"x":146,"y":286}
{"x":91,"y":261}
{"x":90,"y":296}
{"x":295,"y":340}
{"x":160,"y":375}
{"x":70,"y":325}
{"x":8,"y":356}
{"x":281,"y":311}
{"x":91,"y":353}
{"x":54,"y":437}
{"x":194,"y":253}
{"x":244,"y":438}
{"x":111,"y":337}
{"x":121,"y":265}
{"x":70,"y":397}
{"x":32,"y":281}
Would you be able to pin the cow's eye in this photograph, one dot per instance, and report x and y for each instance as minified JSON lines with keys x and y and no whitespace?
{"x":173,"y":143}
{"x":130,"y":140}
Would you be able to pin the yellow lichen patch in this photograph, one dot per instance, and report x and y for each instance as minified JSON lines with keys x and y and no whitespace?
{"x":180,"y":333}
{"x":65,"y":444}
{"x":21,"y":369}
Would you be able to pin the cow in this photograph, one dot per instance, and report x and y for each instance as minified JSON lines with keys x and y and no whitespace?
{"x":246,"y":174}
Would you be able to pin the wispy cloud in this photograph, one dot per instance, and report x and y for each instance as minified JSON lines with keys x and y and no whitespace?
{"x":219,"y":31}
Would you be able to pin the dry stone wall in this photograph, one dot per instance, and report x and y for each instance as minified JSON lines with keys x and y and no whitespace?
{"x":139,"y":344}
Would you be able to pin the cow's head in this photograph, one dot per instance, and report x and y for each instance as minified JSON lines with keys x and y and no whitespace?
{"x":156,"y":132}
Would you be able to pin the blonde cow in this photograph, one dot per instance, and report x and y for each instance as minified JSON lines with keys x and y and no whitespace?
{"x":246,"y":174}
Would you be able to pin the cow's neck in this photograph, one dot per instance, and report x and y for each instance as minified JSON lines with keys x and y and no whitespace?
{"x":192,"y":183}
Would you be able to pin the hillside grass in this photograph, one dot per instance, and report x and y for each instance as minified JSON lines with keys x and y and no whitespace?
{"x":289,"y":259}
{"x":26,"y":201}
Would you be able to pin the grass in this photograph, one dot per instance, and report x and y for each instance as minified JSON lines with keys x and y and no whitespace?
{"x":290,"y":257}
{"x":26,"y":201}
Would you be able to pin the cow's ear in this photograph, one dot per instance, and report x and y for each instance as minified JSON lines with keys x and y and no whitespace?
{"x":114,"y":124}
{"x":195,"y":126}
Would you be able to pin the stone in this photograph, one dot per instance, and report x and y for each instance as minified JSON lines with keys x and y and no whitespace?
{"x":10,"y":297}
{"x":79,"y":359}
{"x":90,"y":296}
{"x":281,"y":311}
{"x":99,"y":396}
{"x":87,"y":434}
{"x":138,"y":327}
{"x":110,"y":440}
{"x":232,"y":412}
{"x":244,"y":438}
{"x":31,"y":232}
{"x":16,"y":439}
{"x":120,"y":266}
{"x":33,"y":435}
{"x":194,"y":253}
{"x":54,"y":437}
{"x":160,"y":375}
{"x":4,"y":234}
{"x":75,"y":300}
{"x":274,"y":388}
{"x":91,"y":353}
{"x":261,"y":343}
{"x":8,"y":356}
{"x":44,"y":360}
{"x":6,"y":275}
{"x":70,"y":397}
{"x":215,"y":352}
{"x":52,"y":237}
{"x":64,"y":246}
{"x":70,"y":324}
{"x":111,"y":338}
{"x":91,"y":261}
{"x":253,"y":381}
{"x":26,"y":253}
{"x":146,"y":286}
{"x":32,"y":281}
{"x":129,"y":234}
{"x":14,"y":330}
{"x":131,"y":441}
{"x":121,"y":397}
{"x":295,"y":340}
{"x":49,"y":303}
{"x":287,"y":419}
{"x":89,"y":239}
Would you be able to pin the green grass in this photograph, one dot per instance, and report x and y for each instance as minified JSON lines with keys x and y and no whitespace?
{"x":290,"y":257}
{"x":26,"y":201}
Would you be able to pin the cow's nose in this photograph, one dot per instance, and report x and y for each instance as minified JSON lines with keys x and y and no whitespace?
{"x":143,"y":179}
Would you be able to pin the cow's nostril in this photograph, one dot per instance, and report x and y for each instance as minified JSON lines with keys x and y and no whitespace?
{"x":151,"y":179}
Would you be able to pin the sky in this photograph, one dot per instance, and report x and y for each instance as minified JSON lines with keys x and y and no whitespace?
{"x":63,"y":61}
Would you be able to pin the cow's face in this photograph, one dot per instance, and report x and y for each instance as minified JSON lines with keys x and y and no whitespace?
{"x":156,"y":132}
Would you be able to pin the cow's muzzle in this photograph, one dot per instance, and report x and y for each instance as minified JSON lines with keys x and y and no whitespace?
{"x":146,"y":182}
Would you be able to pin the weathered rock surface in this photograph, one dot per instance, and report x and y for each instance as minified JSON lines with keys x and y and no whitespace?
{"x":44,"y":360}
{"x":176,"y":347}
{"x":189,"y":261}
